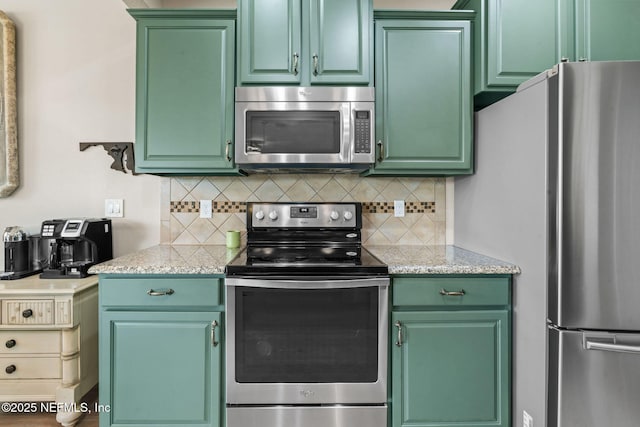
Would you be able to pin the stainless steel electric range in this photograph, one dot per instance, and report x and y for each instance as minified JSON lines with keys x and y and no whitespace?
{"x":306,"y":321}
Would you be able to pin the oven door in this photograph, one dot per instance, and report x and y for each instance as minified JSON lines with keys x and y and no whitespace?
{"x":277,"y":133}
{"x":306,"y":341}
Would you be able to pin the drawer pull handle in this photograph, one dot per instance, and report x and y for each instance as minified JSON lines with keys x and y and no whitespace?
{"x":153,"y":293}
{"x":27,"y":313}
{"x":10,"y":343}
{"x":214,"y":325}
{"x":399,"y":340}
{"x":446,"y":293}
{"x":10,"y":369}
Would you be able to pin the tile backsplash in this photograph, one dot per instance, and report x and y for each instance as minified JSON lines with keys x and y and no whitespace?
{"x":423,"y":223}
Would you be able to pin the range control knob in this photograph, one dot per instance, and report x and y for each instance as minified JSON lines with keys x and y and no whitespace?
{"x":273,"y":215}
{"x":348,"y":215}
{"x":334,"y":215}
{"x":259,"y":215}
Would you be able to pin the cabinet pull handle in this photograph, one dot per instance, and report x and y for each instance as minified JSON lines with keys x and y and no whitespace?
{"x":214,"y":325}
{"x":564,"y":59}
{"x":399,"y":340}
{"x":446,"y":293}
{"x":228,"y":150}
{"x":27,"y":313}
{"x":315,"y":64}
{"x":153,"y":293}
{"x":380,"y":151}
{"x":296,"y":59}
{"x":10,"y":343}
{"x":10,"y":369}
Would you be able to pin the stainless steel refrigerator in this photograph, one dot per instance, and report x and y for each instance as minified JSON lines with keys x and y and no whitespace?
{"x":557,"y":191}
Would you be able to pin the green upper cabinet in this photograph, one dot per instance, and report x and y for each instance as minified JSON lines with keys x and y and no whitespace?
{"x":305,"y":42}
{"x":423,"y":93}
{"x":515,"y":40}
{"x":184,"y":91}
{"x":607,"y":30}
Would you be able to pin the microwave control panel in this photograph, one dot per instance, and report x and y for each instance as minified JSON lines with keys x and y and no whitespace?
{"x":362,"y":134}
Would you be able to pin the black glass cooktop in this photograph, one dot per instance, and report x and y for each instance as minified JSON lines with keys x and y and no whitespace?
{"x":295,"y":260}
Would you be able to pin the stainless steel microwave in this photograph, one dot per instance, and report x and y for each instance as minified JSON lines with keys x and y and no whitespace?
{"x":304,"y":128}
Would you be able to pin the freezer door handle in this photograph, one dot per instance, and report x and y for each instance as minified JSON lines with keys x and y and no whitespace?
{"x":621,"y":348}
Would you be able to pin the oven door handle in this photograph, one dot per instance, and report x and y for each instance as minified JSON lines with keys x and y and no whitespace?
{"x":307,"y":283}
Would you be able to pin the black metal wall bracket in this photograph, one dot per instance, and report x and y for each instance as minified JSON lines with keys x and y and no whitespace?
{"x":121,"y":152}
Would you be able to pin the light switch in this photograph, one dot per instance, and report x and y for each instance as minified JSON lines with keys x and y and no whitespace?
{"x":114,"y":208}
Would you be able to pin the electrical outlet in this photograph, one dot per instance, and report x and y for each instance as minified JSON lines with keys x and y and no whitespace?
{"x":205,"y":208}
{"x":527,"y":420}
{"x":114,"y":208}
{"x":398,"y":208}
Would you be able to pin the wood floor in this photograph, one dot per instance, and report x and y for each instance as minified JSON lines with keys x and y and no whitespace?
{"x":49,"y":419}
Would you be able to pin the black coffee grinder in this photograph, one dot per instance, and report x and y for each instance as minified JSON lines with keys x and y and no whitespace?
{"x":75,"y":245}
{"x":16,"y":253}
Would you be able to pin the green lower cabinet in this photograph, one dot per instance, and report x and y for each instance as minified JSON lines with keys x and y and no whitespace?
{"x":163,"y":370}
{"x":451,"y":351}
{"x":423,"y":94}
{"x":185,"y":64}
{"x":451,"y":369}
{"x":161,"y":351}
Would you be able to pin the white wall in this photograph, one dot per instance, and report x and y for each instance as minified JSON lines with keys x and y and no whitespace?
{"x":76,"y":82}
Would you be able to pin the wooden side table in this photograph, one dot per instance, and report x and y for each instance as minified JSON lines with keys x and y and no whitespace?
{"x":49,"y":343}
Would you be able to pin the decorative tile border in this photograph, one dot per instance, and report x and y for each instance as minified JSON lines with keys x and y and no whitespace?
{"x":241,"y":207}
{"x":409,"y":207}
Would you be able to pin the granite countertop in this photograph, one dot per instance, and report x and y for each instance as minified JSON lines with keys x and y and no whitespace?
{"x":168,"y":259}
{"x":439,"y":259}
{"x":212,"y":259}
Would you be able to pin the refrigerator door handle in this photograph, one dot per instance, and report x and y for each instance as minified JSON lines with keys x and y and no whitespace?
{"x":621,"y":348}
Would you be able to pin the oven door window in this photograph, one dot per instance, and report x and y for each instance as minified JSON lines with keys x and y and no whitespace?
{"x":306,"y":336}
{"x":293,"y":132}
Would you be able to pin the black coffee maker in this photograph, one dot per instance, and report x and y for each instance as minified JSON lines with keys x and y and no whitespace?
{"x":16,"y":253}
{"x":75,"y":245}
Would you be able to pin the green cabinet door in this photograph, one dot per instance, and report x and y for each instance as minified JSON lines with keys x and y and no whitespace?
{"x":423,"y":97}
{"x":607,"y":30}
{"x":160,"y":368}
{"x":184,"y":93}
{"x":450,"y":369}
{"x":269,"y":41}
{"x":305,"y":42}
{"x":340,"y":41}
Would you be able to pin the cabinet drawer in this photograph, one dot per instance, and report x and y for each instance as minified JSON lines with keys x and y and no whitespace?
{"x":27,"y":312}
{"x":428,"y":291}
{"x":14,"y":368}
{"x":25,"y":342}
{"x":160,"y":292}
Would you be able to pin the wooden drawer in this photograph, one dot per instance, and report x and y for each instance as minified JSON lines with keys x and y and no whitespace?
{"x":160,"y":292}
{"x":428,"y":291}
{"x":29,"y":367}
{"x":27,"y":312}
{"x":29,"y":342}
